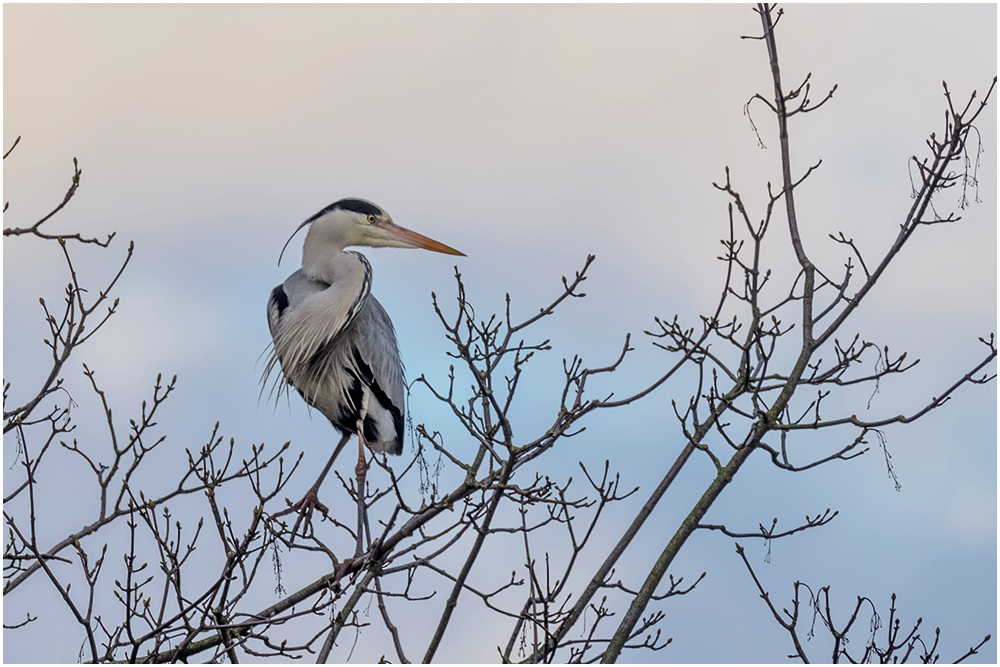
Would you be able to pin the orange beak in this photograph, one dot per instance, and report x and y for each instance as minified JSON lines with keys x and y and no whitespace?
{"x":414,"y":240}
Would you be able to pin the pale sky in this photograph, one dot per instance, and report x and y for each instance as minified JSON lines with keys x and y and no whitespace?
{"x":527,"y":137}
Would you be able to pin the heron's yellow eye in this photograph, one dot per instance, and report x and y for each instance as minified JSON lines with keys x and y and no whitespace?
{"x":371,"y":219}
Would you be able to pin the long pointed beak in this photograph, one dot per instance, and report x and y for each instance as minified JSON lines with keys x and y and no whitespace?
{"x":414,"y":240}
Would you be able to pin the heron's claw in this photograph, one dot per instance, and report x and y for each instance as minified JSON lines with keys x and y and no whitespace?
{"x":304,"y":508}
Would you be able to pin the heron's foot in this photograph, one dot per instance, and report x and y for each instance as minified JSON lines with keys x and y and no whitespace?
{"x":304,"y":508}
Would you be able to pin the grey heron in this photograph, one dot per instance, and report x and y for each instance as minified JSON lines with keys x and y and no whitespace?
{"x":333,"y":341}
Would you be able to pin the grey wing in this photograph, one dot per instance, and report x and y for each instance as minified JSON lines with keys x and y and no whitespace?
{"x":290,"y":293}
{"x":305,"y":333}
{"x":377,"y":349}
{"x":332,"y":371}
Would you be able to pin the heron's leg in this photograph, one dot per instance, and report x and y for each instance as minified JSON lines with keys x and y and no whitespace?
{"x":361,"y":471}
{"x":311,"y":501}
{"x":362,"y":466}
{"x":314,"y":489}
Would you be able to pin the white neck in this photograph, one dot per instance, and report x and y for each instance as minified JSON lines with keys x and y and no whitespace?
{"x":323,"y":253}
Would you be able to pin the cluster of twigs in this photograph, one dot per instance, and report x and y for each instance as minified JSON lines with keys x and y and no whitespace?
{"x":764,"y":361}
{"x":897,"y":647}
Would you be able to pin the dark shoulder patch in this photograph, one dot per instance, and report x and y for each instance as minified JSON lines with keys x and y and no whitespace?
{"x":280,"y":299}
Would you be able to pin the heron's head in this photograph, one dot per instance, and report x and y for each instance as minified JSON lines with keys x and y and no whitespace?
{"x":358,"y":222}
